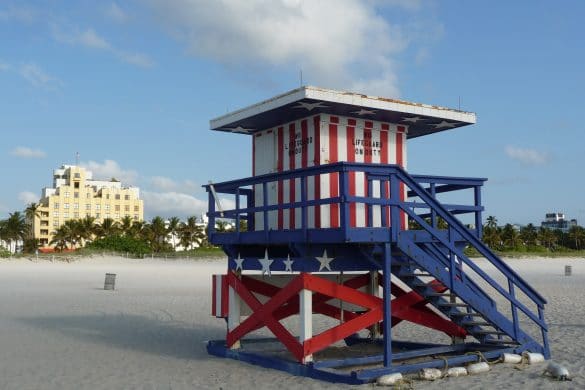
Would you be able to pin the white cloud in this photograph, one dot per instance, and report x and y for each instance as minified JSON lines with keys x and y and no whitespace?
{"x":111,"y":169}
{"x":166,"y":184}
{"x":24,"y":152}
{"x":137,"y":59}
{"x":38,"y":77}
{"x":333,"y":41}
{"x":4,"y":66}
{"x":527,"y":156}
{"x":92,"y":40}
{"x":169,"y":204}
{"x":18,"y":14}
{"x":115,"y":13}
{"x":27,"y":197}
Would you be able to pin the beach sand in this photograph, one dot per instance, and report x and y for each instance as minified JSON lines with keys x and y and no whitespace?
{"x":59,"y":329}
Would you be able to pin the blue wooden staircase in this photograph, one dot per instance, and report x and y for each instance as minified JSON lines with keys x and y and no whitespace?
{"x":484,"y":296}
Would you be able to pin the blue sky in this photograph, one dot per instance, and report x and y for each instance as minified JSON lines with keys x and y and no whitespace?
{"x":132,"y":85}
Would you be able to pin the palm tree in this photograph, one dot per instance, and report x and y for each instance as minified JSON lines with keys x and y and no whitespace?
{"x":138,"y":229}
{"x":74,"y":231}
{"x":88,"y":228}
{"x":191,"y":233}
{"x":173,"y":229}
{"x":107,"y":228}
{"x":60,"y":238}
{"x":577,"y":233}
{"x":126,"y":225}
{"x":547,"y":237}
{"x":16,"y":229}
{"x":157,"y":233}
{"x":491,"y":222}
{"x":31,"y":213}
{"x":511,"y":237}
{"x":529,"y":234}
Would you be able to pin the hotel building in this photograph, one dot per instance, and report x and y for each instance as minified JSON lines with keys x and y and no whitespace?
{"x":75,"y":195}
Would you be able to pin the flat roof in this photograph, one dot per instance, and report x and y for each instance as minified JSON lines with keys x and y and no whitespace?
{"x":421,"y":119}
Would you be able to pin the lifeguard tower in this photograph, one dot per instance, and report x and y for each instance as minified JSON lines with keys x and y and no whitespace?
{"x":335,"y":243}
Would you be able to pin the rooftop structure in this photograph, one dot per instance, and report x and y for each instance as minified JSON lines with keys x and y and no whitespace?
{"x":557,"y":221}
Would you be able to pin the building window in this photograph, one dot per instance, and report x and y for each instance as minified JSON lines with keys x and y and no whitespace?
{"x":75,"y":215}
{"x":56,"y":206}
{"x":67,"y":194}
{"x":56,"y":213}
{"x":136,"y":208}
{"x":117,"y":215}
{"x":107,"y":196}
{"x":117,"y":196}
{"x":65,"y":205}
{"x":88,"y":206}
{"x":56,"y":223}
{"x":76,"y":206}
{"x":117,"y":207}
{"x":107,"y":216}
{"x":107,"y":207}
{"x":97,"y":206}
{"x":76,"y":184}
{"x":126,"y":197}
{"x":76,"y":194}
{"x":77,"y":175}
{"x":65,"y":215}
{"x":136,"y":217}
{"x":88,"y":195}
{"x":97,"y":215}
{"x":126,"y":208}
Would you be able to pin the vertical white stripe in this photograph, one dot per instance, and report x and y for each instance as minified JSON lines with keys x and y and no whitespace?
{"x":298,"y":164}
{"x":360,"y":178}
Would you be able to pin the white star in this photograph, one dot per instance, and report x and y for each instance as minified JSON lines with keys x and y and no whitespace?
{"x":364,"y":112}
{"x":412,"y":119}
{"x":288,"y":264}
{"x":444,"y":125}
{"x":239,"y":129}
{"x":266,"y":263}
{"x":239,"y":262}
{"x":310,"y":106}
{"x":324,"y":261}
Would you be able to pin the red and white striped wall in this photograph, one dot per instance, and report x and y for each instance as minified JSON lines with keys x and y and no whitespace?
{"x":318,"y":140}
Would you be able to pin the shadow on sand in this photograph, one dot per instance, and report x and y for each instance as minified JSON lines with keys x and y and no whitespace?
{"x":158,"y":336}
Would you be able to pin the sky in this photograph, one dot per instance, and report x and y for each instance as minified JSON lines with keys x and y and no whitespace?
{"x":131,"y":87}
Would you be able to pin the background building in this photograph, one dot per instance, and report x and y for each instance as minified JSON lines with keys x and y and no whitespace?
{"x":558,"y":221}
{"x":75,"y":195}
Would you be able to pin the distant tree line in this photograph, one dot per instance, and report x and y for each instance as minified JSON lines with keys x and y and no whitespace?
{"x":531,"y":238}
{"x":127,"y":235}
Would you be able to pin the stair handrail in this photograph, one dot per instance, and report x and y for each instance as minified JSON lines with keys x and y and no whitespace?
{"x":457,"y":226}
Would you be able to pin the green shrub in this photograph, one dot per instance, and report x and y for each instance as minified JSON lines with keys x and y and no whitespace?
{"x":131,"y":245}
{"x":4,"y":253}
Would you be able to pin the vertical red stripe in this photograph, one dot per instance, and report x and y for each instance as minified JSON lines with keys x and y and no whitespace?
{"x":368,"y":139}
{"x":279,"y":167}
{"x":213,"y":295}
{"x":400,"y":161}
{"x":291,"y":166}
{"x":384,"y":150}
{"x":333,"y":177}
{"x":317,"y":161}
{"x":304,"y":144}
{"x":351,"y":158}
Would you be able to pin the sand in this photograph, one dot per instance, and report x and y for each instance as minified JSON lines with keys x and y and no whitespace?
{"x":60,"y":330}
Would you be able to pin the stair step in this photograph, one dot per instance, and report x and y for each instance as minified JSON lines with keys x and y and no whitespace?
{"x":414,"y":275}
{"x":462,"y":314}
{"x":436,"y":294}
{"x":500,"y":341}
{"x":475,"y":323}
{"x":453,"y":304}
{"x":487,"y":331}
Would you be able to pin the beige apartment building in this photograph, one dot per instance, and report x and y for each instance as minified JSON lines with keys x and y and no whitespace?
{"x":75,"y":195}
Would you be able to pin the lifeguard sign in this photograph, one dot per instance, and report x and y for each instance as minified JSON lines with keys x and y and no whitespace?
{"x":327,"y":209}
